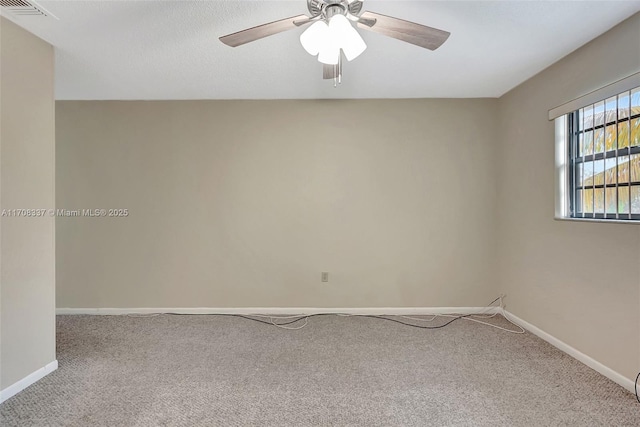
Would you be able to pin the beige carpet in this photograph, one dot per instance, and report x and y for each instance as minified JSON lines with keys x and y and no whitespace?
{"x":337,"y":371}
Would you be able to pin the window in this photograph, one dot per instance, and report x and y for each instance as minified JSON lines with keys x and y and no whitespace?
{"x":604,"y":158}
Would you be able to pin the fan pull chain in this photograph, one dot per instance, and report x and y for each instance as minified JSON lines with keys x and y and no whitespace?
{"x":337,"y":72}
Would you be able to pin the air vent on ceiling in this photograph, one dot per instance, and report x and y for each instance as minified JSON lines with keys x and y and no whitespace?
{"x":23,"y":7}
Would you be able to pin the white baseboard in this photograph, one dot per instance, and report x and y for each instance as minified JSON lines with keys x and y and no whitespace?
{"x":20,"y":385}
{"x":576,"y":354}
{"x":416,"y":311}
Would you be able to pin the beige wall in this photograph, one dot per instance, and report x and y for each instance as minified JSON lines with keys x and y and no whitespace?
{"x":244,"y":203}
{"x":579,"y":282}
{"x":27,"y":287}
{"x":405,"y":203}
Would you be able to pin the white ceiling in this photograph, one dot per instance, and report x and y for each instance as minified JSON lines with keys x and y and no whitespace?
{"x":170,"y":49}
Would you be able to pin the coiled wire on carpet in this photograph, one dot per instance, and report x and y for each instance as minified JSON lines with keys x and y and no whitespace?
{"x":305,"y":318}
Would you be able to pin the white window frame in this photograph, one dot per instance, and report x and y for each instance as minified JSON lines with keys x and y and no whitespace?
{"x":561,"y":115}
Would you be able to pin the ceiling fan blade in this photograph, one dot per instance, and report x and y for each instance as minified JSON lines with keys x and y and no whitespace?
{"x":261,"y":31}
{"x":410,"y":32}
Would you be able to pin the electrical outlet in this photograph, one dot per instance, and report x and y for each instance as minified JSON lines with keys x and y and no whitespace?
{"x":325,"y":276}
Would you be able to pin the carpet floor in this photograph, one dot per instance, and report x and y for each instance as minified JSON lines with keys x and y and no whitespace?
{"x":337,"y":371}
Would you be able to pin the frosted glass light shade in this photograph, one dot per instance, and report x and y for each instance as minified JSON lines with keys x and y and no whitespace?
{"x":330,"y":52}
{"x":348,"y":38}
{"x":315,"y":37}
{"x":327,"y":40}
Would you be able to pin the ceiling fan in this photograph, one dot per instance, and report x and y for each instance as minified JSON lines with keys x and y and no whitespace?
{"x":332,"y":36}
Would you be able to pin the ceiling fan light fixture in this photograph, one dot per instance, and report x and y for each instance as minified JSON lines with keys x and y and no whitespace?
{"x":327,"y":40}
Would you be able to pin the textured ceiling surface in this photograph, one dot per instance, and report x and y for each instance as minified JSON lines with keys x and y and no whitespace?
{"x":170,"y":49}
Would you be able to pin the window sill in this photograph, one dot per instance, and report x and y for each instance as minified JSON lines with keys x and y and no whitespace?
{"x":605,"y":221}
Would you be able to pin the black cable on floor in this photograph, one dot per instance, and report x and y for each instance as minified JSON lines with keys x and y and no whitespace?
{"x":417,"y":326}
{"x":234,"y":315}
{"x":308,"y":316}
{"x":635,"y":388}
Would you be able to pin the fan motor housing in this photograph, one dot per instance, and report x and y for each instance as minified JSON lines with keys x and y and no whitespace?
{"x":316,"y":6}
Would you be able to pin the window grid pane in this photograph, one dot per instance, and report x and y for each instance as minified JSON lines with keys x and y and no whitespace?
{"x":635,"y":199}
{"x":605,"y":158}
